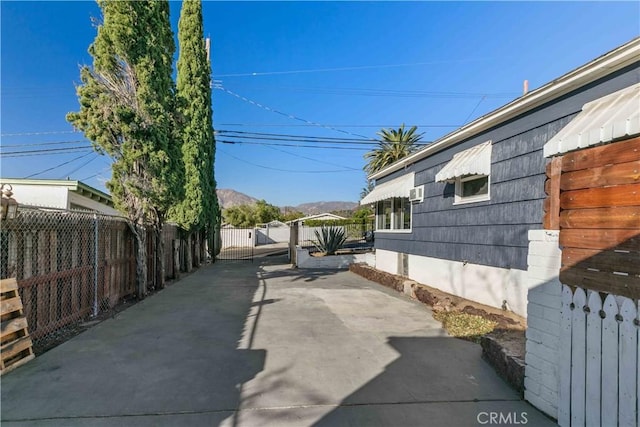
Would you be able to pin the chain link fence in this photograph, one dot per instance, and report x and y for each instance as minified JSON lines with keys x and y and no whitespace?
{"x":72,"y":266}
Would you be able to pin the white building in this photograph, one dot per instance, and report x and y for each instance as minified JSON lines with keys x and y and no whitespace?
{"x":60,"y":194}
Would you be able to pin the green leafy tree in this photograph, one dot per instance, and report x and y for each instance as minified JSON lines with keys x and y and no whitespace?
{"x":250,"y":215}
{"x":265,"y":212}
{"x":393,"y":146}
{"x":198,"y":210}
{"x":240,"y":216}
{"x":126,"y":110}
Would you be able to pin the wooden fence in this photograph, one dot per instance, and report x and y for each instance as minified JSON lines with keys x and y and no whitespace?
{"x":73,"y":265}
{"x":594,"y":200}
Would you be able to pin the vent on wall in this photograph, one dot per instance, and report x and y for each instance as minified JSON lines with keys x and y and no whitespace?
{"x":416,"y":194}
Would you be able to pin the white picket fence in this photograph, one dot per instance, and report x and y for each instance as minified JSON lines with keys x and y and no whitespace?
{"x":599,"y":360}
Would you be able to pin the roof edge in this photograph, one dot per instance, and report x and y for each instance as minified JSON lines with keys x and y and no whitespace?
{"x":604,"y":65}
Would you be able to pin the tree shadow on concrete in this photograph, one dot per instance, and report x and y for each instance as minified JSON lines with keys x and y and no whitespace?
{"x":177,"y":354}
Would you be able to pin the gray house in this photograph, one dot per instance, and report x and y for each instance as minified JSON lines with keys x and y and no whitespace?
{"x":456,"y":214}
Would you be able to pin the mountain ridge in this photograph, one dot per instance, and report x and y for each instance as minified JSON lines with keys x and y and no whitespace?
{"x":228,"y":198}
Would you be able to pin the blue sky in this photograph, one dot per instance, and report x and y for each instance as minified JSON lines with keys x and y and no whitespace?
{"x":319,"y":70}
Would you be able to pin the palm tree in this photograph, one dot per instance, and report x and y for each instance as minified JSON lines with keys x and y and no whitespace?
{"x":393,"y":146}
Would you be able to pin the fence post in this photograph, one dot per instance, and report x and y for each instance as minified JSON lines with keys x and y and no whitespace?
{"x":176,"y":258}
{"x":95,"y":265}
{"x":554,"y":172}
{"x":293,"y":241}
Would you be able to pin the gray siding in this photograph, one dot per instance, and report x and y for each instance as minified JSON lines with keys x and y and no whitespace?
{"x":494,"y":232}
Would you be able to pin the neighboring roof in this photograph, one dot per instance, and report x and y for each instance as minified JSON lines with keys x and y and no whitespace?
{"x":75,"y":186}
{"x":318,"y":216}
{"x":397,"y":187}
{"x":608,"y":118}
{"x":474,"y":161}
{"x":606,"y":64}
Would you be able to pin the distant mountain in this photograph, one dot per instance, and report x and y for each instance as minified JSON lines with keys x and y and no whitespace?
{"x":320,"y":207}
{"x":229,"y":198}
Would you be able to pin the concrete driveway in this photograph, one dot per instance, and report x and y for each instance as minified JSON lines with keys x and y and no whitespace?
{"x":259,"y":344}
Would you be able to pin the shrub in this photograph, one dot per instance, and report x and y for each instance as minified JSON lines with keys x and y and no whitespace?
{"x":330,"y":239}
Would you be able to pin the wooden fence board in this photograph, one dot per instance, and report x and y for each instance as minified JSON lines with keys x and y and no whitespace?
{"x":610,"y":217}
{"x":620,"y":152}
{"x":614,"y":174}
{"x":593,"y":362}
{"x":610,"y":362}
{"x":628,"y":286}
{"x":600,"y":239}
{"x":601,"y":197}
{"x":628,"y":350}
{"x":624,"y":262}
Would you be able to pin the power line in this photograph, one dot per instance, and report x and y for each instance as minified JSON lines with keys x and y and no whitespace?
{"x":338,"y":126}
{"x":291,"y":145}
{"x":47,"y":153}
{"x":285,"y":114}
{"x":39,"y":133}
{"x":302,"y":139}
{"x":369,"y":140}
{"x":58,"y":166}
{"x":474,"y":110}
{"x":82,"y":165}
{"x":396,"y":93}
{"x":282,"y":170}
{"x":42,"y":144}
{"x":42,"y":151}
{"x":311,"y":158}
{"x":352,"y":68}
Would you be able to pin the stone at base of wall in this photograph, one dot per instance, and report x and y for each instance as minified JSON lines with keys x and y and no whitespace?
{"x":506,"y":355}
{"x":438,"y":299}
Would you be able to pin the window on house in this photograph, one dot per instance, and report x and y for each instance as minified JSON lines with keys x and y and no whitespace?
{"x":393,"y":214}
{"x":469,"y":170}
{"x":472,"y":189}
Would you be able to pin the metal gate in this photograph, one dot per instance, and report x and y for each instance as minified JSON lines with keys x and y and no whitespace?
{"x":236,"y":244}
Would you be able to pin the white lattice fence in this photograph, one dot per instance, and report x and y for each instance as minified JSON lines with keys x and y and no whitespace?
{"x":599,"y":360}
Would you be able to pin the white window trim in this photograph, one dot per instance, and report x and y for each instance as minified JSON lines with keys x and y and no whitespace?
{"x":459,"y":200}
{"x":393,"y":214}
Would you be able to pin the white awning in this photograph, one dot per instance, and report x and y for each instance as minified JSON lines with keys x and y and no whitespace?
{"x":398,"y":187}
{"x":611,"y":117}
{"x":474,"y":161}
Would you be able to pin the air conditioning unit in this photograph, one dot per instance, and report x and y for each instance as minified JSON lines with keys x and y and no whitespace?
{"x":416,"y":194}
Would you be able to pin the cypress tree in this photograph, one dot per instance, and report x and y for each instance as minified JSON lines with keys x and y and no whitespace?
{"x":198,"y":210}
{"x":126,"y":110}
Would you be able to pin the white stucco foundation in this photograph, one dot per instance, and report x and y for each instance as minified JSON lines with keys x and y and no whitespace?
{"x":487,"y":285}
{"x":304,"y":260}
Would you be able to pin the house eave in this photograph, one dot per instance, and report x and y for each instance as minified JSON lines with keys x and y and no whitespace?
{"x":604,"y":65}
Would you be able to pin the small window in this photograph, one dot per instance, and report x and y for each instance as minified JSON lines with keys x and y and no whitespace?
{"x":393,"y":214}
{"x":472,"y":189}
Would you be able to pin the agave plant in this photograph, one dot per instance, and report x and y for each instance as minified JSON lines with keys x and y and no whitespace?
{"x":329,"y":239}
